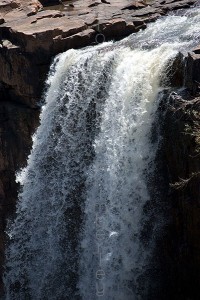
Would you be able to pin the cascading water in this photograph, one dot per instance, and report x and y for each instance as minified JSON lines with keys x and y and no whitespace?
{"x":78,"y":228}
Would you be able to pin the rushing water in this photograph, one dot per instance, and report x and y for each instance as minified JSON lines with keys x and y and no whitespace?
{"x":78,"y":230}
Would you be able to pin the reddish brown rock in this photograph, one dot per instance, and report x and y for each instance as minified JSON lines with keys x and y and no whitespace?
{"x":115,"y":27}
{"x":80,"y":39}
{"x":9,"y":3}
{"x":39,"y":33}
{"x":135,"y":5}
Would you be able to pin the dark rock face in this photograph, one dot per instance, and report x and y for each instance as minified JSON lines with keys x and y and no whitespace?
{"x":193,"y":71}
{"x":17,"y":123}
{"x":30,"y":36}
{"x":181,"y":146}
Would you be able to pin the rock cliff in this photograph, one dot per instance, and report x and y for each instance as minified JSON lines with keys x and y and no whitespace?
{"x":31,"y":34}
{"x":181,"y":148}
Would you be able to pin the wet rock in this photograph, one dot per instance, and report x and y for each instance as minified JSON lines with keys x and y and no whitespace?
{"x":17,"y":123}
{"x":175,"y":73}
{"x":180,"y":146}
{"x":192,"y":78}
{"x":179,"y":250}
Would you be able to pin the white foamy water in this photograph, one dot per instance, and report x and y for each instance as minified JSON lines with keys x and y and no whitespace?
{"x":78,"y":228}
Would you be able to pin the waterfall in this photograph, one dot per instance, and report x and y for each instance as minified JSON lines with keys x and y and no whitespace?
{"x":78,"y":229}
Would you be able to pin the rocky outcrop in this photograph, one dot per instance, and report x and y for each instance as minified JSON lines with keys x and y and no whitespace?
{"x":181,"y":147}
{"x":31,"y":35}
